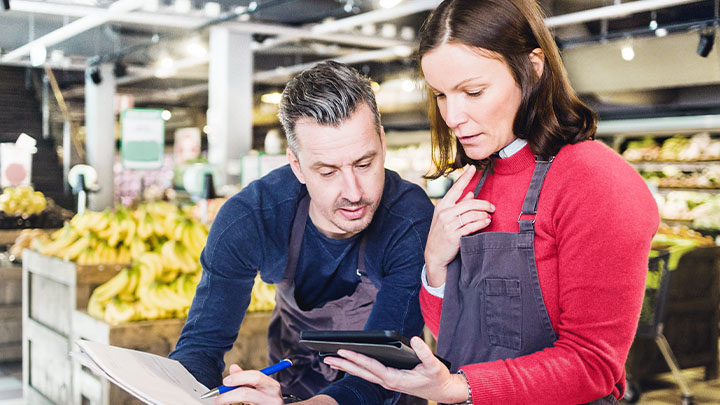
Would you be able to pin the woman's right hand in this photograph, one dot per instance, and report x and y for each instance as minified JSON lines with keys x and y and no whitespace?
{"x":453,"y":218}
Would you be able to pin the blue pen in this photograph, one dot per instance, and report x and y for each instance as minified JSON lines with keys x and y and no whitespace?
{"x":281,"y":365}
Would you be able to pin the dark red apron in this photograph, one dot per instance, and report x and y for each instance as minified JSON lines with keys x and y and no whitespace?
{"x":493,"y":307}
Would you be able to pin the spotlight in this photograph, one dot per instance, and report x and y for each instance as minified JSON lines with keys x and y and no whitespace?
{"x":707,"y":39}
{"x":120,"y":69}
{"x":94,"y":74}
{"x":627,"y":52}
{"x":6,"y":4}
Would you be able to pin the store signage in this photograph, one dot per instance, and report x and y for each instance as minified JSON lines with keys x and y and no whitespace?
{"x":143,"y":138}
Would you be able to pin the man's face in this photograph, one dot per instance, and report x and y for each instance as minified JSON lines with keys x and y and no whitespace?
{"x":343,"y":169}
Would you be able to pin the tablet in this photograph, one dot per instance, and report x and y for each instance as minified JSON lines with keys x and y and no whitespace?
{"x":386,"y":346}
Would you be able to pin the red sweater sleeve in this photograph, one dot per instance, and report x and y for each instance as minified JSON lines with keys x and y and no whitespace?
{"x":431,"y":307}
{"x":597,"y":242}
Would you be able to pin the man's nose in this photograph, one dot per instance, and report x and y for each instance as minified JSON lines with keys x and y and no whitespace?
{"x":352,"y":190}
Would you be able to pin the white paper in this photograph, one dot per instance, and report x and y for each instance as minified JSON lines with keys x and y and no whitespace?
{"x":152,"y":379}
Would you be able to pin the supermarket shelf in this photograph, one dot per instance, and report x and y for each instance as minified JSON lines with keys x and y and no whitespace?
{"x":659,"y":126}
{"x":665,"y":190}
{"x":684,"y":166}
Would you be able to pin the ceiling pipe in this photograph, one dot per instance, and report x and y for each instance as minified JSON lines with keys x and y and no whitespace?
{"x":614,"y":11}
{"x":74,"y":28}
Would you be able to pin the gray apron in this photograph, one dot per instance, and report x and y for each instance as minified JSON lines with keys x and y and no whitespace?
{"x":493,"y":307}
{"x":309,"y":374}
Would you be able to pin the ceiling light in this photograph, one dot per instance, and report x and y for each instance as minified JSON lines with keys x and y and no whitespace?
{"x":166,"y":115}
{"x":627,"y":52}
{"x":705,"y":45}
{"x":195,"y":48}
{"x":183,"y":6}
{"x":349,"y":4}
{"x":271,"y":98}
{"x":661,"y":32}
{"x":408,"y":85}
{"x":389,"y":3}
{"x":653,"y":21}
{"x":38,"y":53}
{"x":252,"y":6}
{"x":166,"y":62}
{"x":212,"y":9}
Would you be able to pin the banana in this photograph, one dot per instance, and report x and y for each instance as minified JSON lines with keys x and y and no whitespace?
{"x":118,"y":311}
{"x":109,"y":289}
{"x":131,"y":230}
{"x":96,"y":307}
{"x":67,"y":238}
{"x":72,"y":251}
{"x":170,"y":257}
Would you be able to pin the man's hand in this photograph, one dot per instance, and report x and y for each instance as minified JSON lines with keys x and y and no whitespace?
{"x":254,"y":388}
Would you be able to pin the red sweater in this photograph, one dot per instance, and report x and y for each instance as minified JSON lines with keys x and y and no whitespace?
{"x":595,"y":220}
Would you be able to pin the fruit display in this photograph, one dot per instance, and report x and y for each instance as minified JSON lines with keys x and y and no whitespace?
{"x":702,"y":209}
{"x":671,"y":176}
{"x":24,"y":208}
{"x":22,"y":201}
{"x":699,"y":147}
{"x":24,"y":240}
{"x":263,"y":296}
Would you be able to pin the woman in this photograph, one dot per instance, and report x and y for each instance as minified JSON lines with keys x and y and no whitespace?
{"x":542,"y":304}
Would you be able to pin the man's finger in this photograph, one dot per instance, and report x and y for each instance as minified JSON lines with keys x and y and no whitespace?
{"x":423,"y":351}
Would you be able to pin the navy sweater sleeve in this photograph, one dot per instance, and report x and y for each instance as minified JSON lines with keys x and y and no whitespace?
{"x":251,"y":226}
{"x":400,"y":233}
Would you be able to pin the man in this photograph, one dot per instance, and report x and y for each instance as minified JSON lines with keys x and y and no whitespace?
{"x":340,"y":236}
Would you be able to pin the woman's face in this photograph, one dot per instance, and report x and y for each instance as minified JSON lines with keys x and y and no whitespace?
{"x":477,"y":96}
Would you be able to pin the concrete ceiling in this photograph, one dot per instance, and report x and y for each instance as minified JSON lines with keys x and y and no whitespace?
{"x":666,"y":71}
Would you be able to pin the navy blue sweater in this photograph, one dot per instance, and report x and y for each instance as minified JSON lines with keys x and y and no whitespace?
{"x":251,"y":233}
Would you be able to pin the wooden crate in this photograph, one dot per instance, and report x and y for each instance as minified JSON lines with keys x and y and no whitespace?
{"x":52,"y":290}
{"x":10,"y":313}
{"x":157,"y":337}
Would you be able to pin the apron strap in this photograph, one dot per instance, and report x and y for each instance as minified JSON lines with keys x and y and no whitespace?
{"x":296,"y":237}
{"x":529,"y":207}
{"x":482,"y":180}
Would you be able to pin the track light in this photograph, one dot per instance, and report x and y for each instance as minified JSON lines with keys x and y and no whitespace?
{"x":120,"y":69}
{"x":94,"y":73}
{"x":707,"y":39}
{"x":6,"y":4}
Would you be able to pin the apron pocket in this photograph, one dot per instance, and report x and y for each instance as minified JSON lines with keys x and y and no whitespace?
{"x":503,"y":312}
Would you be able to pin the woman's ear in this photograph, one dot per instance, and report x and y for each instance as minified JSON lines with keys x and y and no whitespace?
{"x":537,"y":58}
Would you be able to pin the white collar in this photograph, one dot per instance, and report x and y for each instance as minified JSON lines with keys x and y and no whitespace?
{"x":512,"y":148}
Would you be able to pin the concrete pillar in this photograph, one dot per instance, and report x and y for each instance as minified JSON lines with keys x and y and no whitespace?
{"x":100,"y":134}
{"x":230,"y":101}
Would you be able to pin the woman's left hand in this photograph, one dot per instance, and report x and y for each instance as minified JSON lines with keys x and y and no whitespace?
{"x":430,"y":379}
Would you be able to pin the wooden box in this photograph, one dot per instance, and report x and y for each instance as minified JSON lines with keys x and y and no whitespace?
{"x":52,"y":290}
{"x":10,"y":313}
{"x":157,"y":337}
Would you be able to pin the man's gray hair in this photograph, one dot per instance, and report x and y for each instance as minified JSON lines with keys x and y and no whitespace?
{"x":328,"y":93}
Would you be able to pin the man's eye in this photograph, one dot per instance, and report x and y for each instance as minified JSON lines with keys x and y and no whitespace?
{"x":363,"y":166}
{"x":327,"y":174}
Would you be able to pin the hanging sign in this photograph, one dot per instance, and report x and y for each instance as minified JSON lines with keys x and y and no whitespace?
{"x":143,"y":138}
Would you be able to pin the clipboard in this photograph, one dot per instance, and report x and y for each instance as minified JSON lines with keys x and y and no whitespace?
{"x":386,"y":346}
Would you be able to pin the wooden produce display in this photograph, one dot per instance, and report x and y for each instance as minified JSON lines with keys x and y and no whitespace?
{"x":10,"y":313}
{"x":52,"y":289}
{"x":691,"y":319}
{"x":157,"y":337}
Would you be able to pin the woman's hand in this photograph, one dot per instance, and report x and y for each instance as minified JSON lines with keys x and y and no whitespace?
{"x":255,"y":388}
{"x":453,"y":218}
{"x":430,"y":379}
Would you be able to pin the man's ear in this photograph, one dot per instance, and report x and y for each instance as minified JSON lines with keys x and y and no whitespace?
{"x":537,"y":58}
{"x":382,"y":139}
{"x":294,"y":165}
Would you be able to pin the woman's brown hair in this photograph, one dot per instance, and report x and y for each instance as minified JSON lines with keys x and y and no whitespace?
{"x":550,"y":113}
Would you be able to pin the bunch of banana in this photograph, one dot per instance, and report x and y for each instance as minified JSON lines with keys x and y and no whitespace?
{"x":122,"y":285}
{"x":91,"y":221}
{"x":121,"y":228}
{"x":262,"y":297}
{"x":192,"y":234}
{"x":59,"y":241}
{"x":178,"y":257}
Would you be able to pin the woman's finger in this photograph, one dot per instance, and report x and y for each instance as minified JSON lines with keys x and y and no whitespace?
{"x":455,"y":192}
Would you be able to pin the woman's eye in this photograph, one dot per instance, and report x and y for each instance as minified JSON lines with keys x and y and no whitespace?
{"x":474,"y":93}
{"x":439,"y":95}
